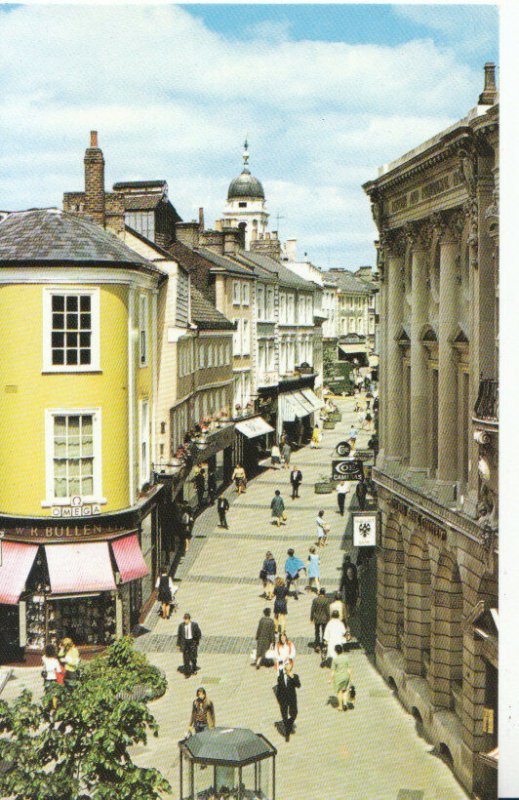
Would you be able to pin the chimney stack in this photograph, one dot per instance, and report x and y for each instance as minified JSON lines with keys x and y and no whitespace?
{"x":201,"y":222}
{"x":291,"y":249}
{"x":94,"y":181}
{"x":489,"y":94}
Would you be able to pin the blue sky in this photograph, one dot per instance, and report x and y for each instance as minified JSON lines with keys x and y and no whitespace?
{"x":325,"y":93}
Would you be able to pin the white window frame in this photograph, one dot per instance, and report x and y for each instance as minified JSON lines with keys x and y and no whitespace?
{"x":245,"y":333}
{"x":97,"y":495}
{"x":309,"y":310}
{"x":245,"y":293}
{"x":94,"y":366}
{"x":236,"y":338}
{"x":209,"y":355}
{"x":269,"y":312}
{"x":236,"y":293}
{"x":144,"y":441}
{"x":201,"y":356}
{"x":144,"y":314}
{"x":260,"y":302}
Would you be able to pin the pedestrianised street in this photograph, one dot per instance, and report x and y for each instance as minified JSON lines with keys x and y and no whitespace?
{"x":370,"y":753}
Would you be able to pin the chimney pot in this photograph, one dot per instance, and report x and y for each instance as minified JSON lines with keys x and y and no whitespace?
{"x":93,"y":139}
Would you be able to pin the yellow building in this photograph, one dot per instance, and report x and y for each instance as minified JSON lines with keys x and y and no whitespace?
{"x":78,"y":314}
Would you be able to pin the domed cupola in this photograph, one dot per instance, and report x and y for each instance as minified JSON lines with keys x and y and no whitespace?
{"x":245,"y":185}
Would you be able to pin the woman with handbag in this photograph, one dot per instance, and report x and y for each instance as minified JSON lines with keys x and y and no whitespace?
{"x":280,"y":605}
{"x":322,"y":529}
{"x":277,"y":506}
{"x":268,"y":575}
{"x":341,"y":676}
{"x":284,"y":650}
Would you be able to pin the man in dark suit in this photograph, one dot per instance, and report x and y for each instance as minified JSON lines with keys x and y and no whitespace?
{"x":222,"y":507}
{"x":296,"y":476}
{"x":286,"y":695}
{"x":188,"y":639}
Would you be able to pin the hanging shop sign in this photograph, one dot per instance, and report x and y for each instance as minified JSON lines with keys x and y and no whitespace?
{"x":365,"y":525}
{"x":347,"y":469}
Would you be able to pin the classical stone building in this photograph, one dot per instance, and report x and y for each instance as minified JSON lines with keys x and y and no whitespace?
{"x":436,"y":212}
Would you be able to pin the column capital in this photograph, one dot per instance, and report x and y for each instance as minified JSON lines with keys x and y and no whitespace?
{"x":393,"y":242}
{"x":419,"y":234}
{"x":448,"y":225}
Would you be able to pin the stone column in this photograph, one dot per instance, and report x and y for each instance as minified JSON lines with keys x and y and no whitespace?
{"x":393,"y":356}
{"x":418,"y":427}
{"x":447,"y":362}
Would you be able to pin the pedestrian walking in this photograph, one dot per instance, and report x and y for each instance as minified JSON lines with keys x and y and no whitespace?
{"x":319,"y":615}
{"x":322,"y":529}
{"x":350,"y":589}
{"x":316,"y":437}
{"x":313,"y":570}
{"x":188,"y":639}
{"x":293,"y":567}
{"x":296,"y":478}
{"x":341,"y":676}
{"x":166,"y":593}
{"x":342,"y":491}
{"x":199,"y":479}
{"x":286,"y":694}
{"x":286,"y":453}
{"x":334,"y":634}
{"x":240,"y":479}
{"x":68,"y":655}
{"x":202,"y":712}
{"x":275,"y":456}
{"x":265,"y":636}
{"x":352,"y":437}
{"x":338,"y":604}
{"x":361,"y":491}
{"x":280,"y":605}
{"x":187,"y":520}
{"x":277,"y":506}
{"x":284,"y":649}
{"x":268,"y":575}
{"x":53,"y":671}
{"x":222,"y":507}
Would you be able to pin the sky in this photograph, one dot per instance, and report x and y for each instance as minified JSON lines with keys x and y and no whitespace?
{"x":325,"y":94}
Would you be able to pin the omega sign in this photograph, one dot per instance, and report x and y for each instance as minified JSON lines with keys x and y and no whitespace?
{"x":76,"y":509}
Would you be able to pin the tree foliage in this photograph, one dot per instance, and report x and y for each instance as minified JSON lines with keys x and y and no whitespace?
{"x":77,"y":747}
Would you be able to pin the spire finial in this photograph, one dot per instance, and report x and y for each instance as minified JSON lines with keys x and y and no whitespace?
{"x":245,"y":153}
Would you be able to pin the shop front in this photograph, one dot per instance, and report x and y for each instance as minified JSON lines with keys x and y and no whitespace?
{"x":297,"y":413}
{"x":212,"y":452}
{"x":254,"y":438}
{"x":87,"y":580}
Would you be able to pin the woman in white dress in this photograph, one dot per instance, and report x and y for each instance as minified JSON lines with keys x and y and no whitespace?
{"x":334,"y":634}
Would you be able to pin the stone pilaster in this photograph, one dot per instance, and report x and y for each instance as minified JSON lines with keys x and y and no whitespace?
{"x":419,"y":399}
{"x":447,"y":361}
{"x":394,"y":376}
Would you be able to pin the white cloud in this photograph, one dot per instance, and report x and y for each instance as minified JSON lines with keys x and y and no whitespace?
{"x":172,"y":99}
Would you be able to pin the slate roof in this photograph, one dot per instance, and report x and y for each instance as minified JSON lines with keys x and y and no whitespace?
{"x":49,"y":235}
{"x":348,"y":282}
{"x":141,"y":202}
{"x":205,"y":315}
{"x":285,"y":275}
{"x":191,"y":258}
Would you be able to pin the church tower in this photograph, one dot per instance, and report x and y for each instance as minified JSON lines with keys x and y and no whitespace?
{"x":245,"y":206}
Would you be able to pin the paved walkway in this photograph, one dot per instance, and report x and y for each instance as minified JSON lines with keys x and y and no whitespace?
{"x":370,"y":753}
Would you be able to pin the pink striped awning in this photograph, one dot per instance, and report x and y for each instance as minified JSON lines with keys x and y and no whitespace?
{"x":128,"y":554}
{"x":17,"y":560}
{"x":75,"y":568}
